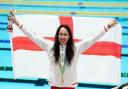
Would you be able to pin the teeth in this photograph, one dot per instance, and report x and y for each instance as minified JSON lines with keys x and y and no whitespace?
{"x":62,"y":40}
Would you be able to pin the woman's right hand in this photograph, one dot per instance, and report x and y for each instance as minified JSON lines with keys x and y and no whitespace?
{"x":13,"y":17}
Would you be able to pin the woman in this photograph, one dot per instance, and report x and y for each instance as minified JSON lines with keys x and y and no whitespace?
{"x":63,"y":54}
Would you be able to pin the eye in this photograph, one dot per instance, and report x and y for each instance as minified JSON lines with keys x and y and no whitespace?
{"x":60,"y":34}
{"x":65,"y":34}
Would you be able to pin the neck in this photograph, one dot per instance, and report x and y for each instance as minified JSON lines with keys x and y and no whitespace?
{"x":63,"y":47}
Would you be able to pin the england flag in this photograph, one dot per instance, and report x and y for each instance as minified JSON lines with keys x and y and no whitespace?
{"x":99,"y":64}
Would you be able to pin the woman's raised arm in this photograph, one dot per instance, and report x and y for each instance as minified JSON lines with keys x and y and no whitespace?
{"x":40,"y":41}
{"x":83,"y":45}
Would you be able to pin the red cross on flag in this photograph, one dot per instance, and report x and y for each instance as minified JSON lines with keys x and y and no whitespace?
{"x":99,"y":64}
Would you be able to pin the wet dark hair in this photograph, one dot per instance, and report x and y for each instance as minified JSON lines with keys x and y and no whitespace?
{"x":69,"y":45}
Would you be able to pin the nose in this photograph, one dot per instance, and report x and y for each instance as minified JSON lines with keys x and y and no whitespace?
{"x":61,"y":36}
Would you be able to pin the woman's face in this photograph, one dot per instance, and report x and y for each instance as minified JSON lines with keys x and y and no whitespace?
{"x":63,"y":36}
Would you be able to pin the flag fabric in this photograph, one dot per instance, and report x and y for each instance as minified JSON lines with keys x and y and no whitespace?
{"x":99,"y":64}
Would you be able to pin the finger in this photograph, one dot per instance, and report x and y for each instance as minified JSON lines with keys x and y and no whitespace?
{"x":12,"y":12}
{"x":114,"y":22}
{"x":9,"y":17}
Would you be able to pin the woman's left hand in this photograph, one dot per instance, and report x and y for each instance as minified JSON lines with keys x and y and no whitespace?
{"x":112,"y":24}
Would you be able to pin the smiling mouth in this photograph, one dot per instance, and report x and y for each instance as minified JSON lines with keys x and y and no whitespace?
{"x":62,"y":40}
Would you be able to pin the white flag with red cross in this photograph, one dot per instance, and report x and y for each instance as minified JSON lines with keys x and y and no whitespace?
{"x":99,"y":64}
